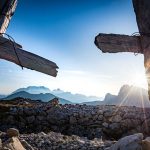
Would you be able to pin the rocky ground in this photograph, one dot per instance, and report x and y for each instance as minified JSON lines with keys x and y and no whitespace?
{"x":12,"y":140}
{"x":50,"y":126}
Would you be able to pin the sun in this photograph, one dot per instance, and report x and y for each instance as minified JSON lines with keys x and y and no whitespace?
{"x":139,"y":79}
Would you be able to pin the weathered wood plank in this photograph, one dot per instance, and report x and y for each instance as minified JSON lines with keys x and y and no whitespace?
{"x":27,"y":59}
{"x":114,"y":43}
{"x":142,"y":11}
{"x":7,"y":9}
{"x":147,"y":69}
{"x":8,"y":42}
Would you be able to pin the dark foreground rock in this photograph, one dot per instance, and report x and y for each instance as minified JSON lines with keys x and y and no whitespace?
{"x":51,"y":126}
{"x":110,"y":122}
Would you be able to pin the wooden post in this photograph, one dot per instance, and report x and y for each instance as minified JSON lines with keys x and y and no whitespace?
{"x":13,"y":52}
{"x":7,"y":9}
{"x":26,"y":59}
{"x":112,"y":43}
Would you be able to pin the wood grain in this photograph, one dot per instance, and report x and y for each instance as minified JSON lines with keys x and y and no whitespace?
{"x":27,"y":59}
{"x":7,"y":9}
{"x":142,"y":11}
{"x":114,"y":43}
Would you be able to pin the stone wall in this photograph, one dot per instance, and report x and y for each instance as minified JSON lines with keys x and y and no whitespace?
{"x":89,"y":121}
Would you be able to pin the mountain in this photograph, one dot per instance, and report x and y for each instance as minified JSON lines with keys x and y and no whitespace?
{"x":76,"y":98}
{"x":127,"y":96}
{"x":34,"y":90}
{"x":44,"y":97}
{"x":2,"y":96}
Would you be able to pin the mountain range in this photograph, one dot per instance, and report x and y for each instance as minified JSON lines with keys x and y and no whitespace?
{"x":2,"y":96}
{"x":127,"y":96}
{"x":44,"y":97}
{"x":34,"y":90}
{"x":75,"y":98}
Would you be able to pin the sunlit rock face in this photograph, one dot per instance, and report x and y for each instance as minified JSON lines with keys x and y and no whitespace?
{"x":128,"y":96}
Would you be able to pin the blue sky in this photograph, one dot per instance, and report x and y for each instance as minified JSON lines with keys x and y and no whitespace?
{"x":63,"y":31}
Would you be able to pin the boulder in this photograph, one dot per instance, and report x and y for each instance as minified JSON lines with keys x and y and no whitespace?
{"x":12,"y":132}
{"x":132,"y":142}
{"x":13,"y":144}
{"x":26,"y":145}
{"x":146,"y":144}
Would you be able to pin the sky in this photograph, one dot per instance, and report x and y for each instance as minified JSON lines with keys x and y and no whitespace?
{"x":63,"y":31}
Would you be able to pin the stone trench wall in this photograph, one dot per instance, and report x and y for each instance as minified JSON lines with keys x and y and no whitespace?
{"x":89,"y":121}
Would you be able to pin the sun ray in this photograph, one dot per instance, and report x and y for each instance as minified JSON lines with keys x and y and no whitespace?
{"x":121,"y":104}
{"x":144,"y":113}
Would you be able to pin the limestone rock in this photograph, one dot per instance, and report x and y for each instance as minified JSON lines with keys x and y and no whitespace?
{"x":132,"y":142}
{"x":13,"y":144}
{"x":12,"y":132}
{"x":26,"y":145}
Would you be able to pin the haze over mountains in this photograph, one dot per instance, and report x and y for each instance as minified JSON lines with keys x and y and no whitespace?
{"x":75,"y":98}
{"x":2,"y":96}
{"x":128,"y":96}
{"x":34,"y":90}
{"x":44,"y":97}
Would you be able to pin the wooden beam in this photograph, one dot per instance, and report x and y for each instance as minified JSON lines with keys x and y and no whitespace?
{"x":114,"y":43}
{"x":26,"y":59}
{"x":142,"y":11}
{"x":8,"y":42}
{"x":7,"y":9}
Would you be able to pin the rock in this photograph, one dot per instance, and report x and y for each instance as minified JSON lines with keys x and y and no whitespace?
{"x":13,"y":144}
{"x":40,"y":118}
{"x":30,"y":119}
{"x":109,"y":143}
{"x":108,"y":113}
{"x":0,"y":143}
{"x":114,"y":126}
{"x":29,"y":111}
{"x":26,"y":145}
{"x":54,"y":102}
{"x":116,"y":118}
{"x":10,"y":119}
{"x":132,"y":142}
{"x":12,"y":132}
{"x":146,"y":144}
{"x":73,"y":120}
{"x":105,"y":124}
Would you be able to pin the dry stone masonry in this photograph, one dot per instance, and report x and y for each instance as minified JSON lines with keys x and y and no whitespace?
{"x":82,"y":120}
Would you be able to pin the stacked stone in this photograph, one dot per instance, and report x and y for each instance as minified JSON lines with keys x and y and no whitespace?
{"x":82,"y":120}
